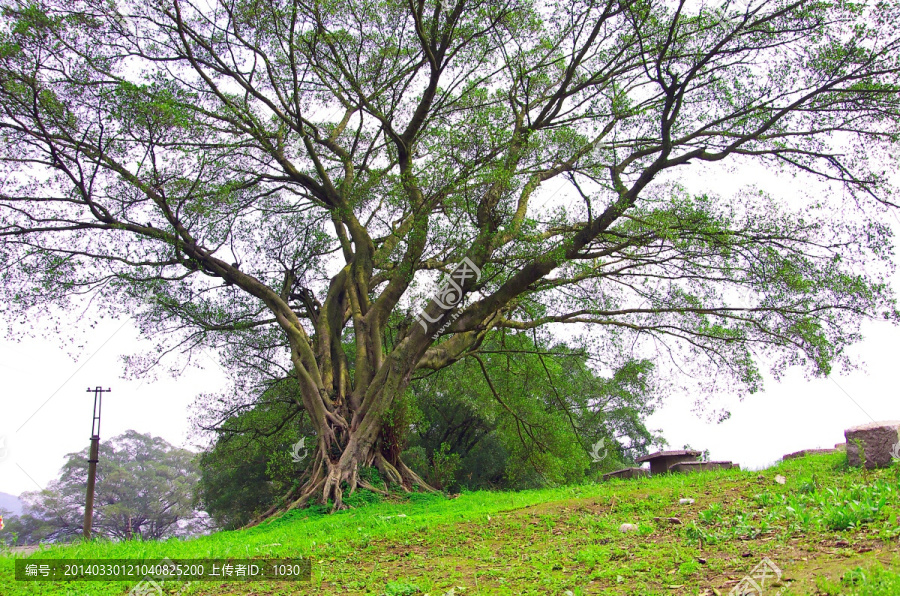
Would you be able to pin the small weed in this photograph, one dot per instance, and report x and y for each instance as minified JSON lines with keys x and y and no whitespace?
{"x":695,"y":534}
{"x":688,"y":568}
{"x":828,"y":587}
{"x":712,"y":514}
{"x":874,"y":581}
{"x":400,"y":589}
{"x":361,"y":498}
{"x":809,"y":486}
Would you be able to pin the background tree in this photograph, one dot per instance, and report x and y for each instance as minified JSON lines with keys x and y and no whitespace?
{"x":255,"y":175}
{"x":22,"y":529}
{"x":249,"y":466}
{"x":143,"y":490}
{"x":522,"y":414}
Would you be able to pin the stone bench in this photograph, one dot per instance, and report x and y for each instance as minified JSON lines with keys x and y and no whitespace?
{"x":627,"y":473}
{"x":805,"y":452}
{"x":701,"y":466}
{"x":877,"y":439}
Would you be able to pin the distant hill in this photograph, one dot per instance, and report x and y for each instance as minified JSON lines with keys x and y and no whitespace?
{"x":10,"y":503}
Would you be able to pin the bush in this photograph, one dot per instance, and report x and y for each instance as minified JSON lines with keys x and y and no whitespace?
{"x":444,"y":466}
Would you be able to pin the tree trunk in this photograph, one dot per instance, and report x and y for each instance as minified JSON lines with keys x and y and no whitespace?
{"x":351,"y":415}
{"x":343,"y":450}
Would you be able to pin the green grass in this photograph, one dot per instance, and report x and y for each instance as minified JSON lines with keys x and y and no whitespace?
{"x":832,"y":531}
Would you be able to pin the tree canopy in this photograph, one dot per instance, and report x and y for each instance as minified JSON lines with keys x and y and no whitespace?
{"x":273,"y":178}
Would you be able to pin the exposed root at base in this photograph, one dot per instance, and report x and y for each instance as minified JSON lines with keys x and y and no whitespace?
{"x":324,"y":487}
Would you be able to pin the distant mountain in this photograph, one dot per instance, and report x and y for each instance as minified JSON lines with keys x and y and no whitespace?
{"x":11,"y":503}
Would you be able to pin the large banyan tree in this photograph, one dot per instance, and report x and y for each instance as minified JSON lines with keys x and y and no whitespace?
{"x":371,"y":187}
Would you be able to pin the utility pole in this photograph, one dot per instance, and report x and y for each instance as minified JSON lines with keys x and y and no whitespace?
{"x":93,"y":459}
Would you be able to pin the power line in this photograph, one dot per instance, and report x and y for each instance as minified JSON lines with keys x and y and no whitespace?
{"x":29,"y":477}
{"x":74,"y":373}
{"x":851,"y":399}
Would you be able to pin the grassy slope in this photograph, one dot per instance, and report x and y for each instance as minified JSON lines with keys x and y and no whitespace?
{"x":831,"y":530}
